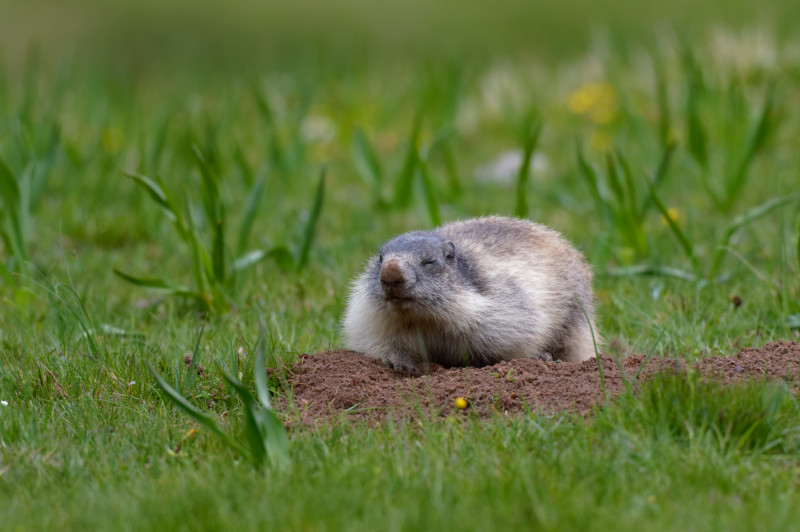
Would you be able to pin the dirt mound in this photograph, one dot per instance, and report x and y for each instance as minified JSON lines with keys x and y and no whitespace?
{"x":339,"y":384}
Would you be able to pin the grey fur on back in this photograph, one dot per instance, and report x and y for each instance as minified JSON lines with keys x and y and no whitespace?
{"x":473,"y":292}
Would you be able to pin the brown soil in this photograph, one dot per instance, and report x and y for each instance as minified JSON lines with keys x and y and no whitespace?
{"x":343,"y":384}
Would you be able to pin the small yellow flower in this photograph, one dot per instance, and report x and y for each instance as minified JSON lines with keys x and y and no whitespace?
{"x":596,"y":100}
{"x":461,"y":403}
{"x":674,"y":215}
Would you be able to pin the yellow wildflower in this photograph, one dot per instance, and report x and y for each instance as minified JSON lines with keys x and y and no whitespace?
{"x":674,"y":215}
{"x":598,"y":101}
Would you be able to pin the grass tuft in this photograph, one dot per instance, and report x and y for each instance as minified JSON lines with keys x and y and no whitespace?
{"x":692,"y":410}
{"x":264,"y":432}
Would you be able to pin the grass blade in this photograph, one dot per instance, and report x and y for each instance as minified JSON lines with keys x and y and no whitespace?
{"x":596,"y":352}
{"x":658,"y":177}
{"x":156,"y":192}
{"x":630,"y":187}
{"x":451,"y":170}
{"x":191,"y":372}
{"x":157,"y":148}
{"x":218,"y":252}
{"x":277,"y":440}
{"x":260,"y":369}
{"x":367,"y":163}
{"x":244,"y":166}
{"x":613,"y":179}
{"x":73,"y":302}
{"x":653,"y":349}
{"x":214,"y":213}
{"x":255,"y":439}
{"x":248,"y":259}
{"x":532,"y":133}
{"x":199,"y":254}
{"x":590,"y":175}
{"x":695,"y":132}
{"x":764,"y":126}
{"x":646,"y":269}
{"x":204,"y":419}
{"x":664,"y":119}
{"x":634,"y":222}
{"x":210,"y":189}
{"x":405,"y":180}
{"x":11,"y":197}
{"x":750,"y":216}
{"x":45,"y":163}
{"x":208,"y":284}
{"x":686,"y":244}
{"x":311,"y":223}
{"x":273,"y":431}
{"x":160,"y":285}
{"x":431,"y":204}
{"x":9,"y":186}
{"x":250,"y":210}
{"x":276,"y":151}
{"x":756,"y":140}
{"x":263,"y":106}
{"x":759,"y":212}
{"x":4,"y":273}
{"x":283,"y":258}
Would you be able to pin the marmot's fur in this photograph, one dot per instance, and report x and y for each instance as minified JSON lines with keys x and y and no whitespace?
{"x":474,"y":292}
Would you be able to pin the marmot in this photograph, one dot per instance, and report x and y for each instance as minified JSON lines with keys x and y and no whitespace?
{"x":473,"y":292}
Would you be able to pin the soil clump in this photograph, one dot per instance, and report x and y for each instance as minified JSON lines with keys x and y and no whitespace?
{"x":346,"y":385}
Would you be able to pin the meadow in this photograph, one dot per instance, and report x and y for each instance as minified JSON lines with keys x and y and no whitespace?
{"x":169,"y":205}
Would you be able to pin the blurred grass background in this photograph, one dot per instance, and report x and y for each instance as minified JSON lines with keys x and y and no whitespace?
{"x":234,"y":108}
{"x":181,"y":34}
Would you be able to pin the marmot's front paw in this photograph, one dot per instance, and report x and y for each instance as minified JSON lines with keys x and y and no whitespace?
{"x":545,"y":356}
{"x":405,"y":366}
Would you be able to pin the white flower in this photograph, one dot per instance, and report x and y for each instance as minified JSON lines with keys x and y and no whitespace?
{"x":318,"y":128}
{"x":745,"y":51}
{"x":3,"y":403}
{"x":505,"y":167}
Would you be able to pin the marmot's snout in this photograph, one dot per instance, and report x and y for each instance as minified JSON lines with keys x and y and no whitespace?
{"x":397,"y":279}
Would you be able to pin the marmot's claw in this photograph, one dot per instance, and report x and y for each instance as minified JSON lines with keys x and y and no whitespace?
{"x":407,"y":368}
{"x":547,"y":357}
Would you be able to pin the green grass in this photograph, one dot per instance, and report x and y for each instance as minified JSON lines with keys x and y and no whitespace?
{"x":243,"y":194}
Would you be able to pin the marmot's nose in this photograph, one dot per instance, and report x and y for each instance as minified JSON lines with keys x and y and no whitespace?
{"x":396,"y":281}
{"x":392,"y":274}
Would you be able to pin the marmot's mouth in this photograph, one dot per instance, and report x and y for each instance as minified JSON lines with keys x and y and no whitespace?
{"x":400,"y":302}
{"x":397,"y":293}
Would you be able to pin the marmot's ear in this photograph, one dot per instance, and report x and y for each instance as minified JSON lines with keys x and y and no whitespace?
{"x":449,"y":249}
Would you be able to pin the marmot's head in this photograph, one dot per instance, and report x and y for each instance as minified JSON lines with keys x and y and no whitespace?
{"x":414,"y":272}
